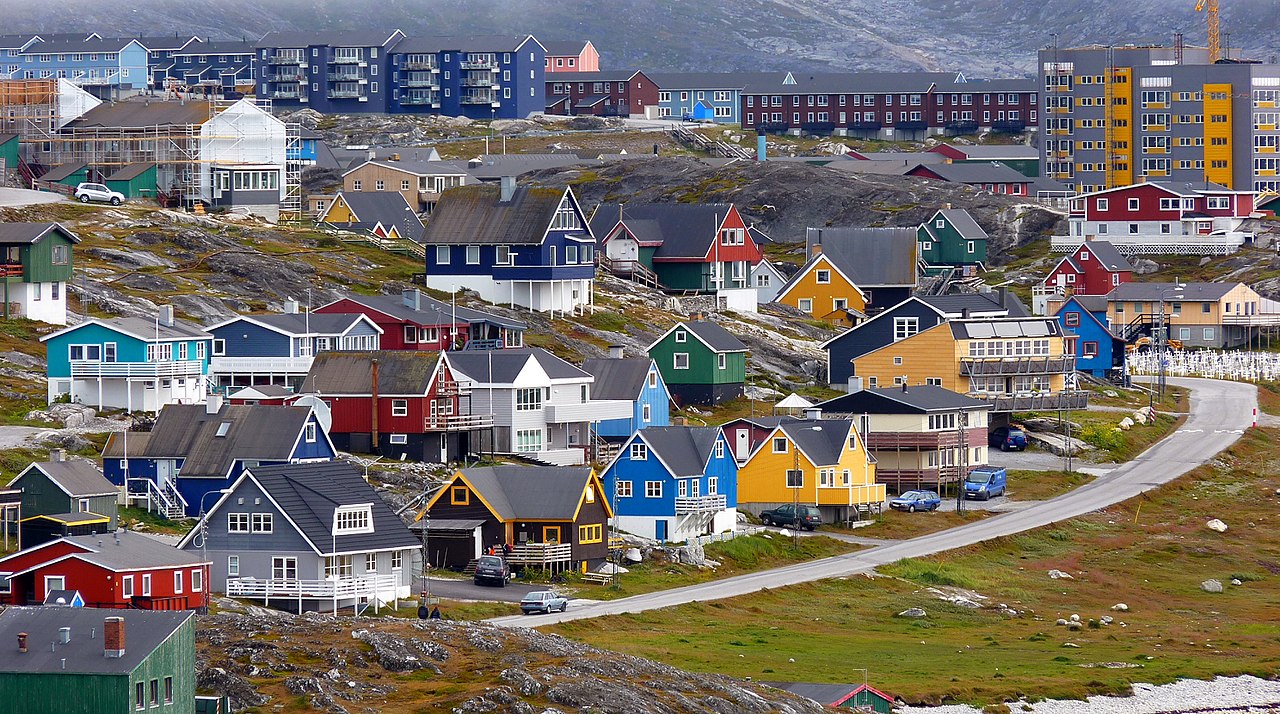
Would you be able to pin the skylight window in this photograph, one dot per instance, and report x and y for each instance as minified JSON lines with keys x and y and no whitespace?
{"x":223,"y":428}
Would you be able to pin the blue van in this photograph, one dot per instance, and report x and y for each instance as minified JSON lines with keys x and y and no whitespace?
{"x":985,"y":482}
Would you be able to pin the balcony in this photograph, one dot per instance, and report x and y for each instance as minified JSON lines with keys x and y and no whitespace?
{"x":926,"y":440}
{"x":418,"y":101}
{"x":281,"y":58}
{"x":260,"y":365}
{"x":457,"y":422}
{"x":347,"y":59}
{"x":478,"y":98}
{"x":591,"y":410}
{"x":489,"y":64}
{"x":381,"y":587}
{"x":690,"y":505}
{"x":149,"y":370}
{"x":429,"y":80}
{"x":427,"y":66}
{"x":285,"y":77}
{"x":346,"y":77}
{"x":541,"y":555}
{"x":345,"y":94}
{"x":453,"y":389}
{"x":1016,"y":365}
{"x":482,"y":81}
{"x":1034,"y":402}
{"x":285,"y":94}
{"x":11,"y":270}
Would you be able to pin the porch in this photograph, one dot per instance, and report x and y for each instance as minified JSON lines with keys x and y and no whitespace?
{"x":340,"y":592}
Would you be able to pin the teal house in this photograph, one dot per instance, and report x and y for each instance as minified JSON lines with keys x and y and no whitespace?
{"x":701,"y":363}
{"x":72,"y":174}
{"x":84,"y":659}
{"x":130,"y":363}
{"x":9,"y":151}
{"x":134,"y":181}
{"x":952,"y":238}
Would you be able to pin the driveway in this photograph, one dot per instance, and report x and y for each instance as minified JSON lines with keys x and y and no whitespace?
{"x":1220,"y":412}
{"x":467,"y":590}
{"x":14,"y":197}
{"x":13,"y":437}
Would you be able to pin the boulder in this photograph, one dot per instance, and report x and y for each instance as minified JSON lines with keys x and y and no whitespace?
{"x":1126,"y":424}
{"x":1145,"y":266}
{"x":1216,"y":526}
{"x":1120,"y":607}
{"x":1237,"y":582}
{"x":691,"y":554}
{"x":1062,"y":622}
{"x":1056,"y":574}
{"x":1046,"y":424}
{"x":632,"y":555}
{"x":915,"y":612}
{"x":1140,"y":416}
{"x":1074,"y":618}
{"x":1057,"y":444}
{"x":1211,"y":586}
{"x":607,"y":568}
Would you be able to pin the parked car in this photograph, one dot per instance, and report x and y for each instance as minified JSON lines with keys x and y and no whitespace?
{"x":985,"y":482}
{"x":87,"y":192}
{"x":808,"y":518}
{"x":490,"y":569}
{"x":543,"y":601}
{"x":913,"y":501}
{"x":1007,"y":438}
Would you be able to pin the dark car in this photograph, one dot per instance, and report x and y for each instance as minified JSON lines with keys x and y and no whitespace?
{"x":913,"y":501}
{"x":1007,"y":438}
{"x":491,"y":569}
{"x":786,"y":515}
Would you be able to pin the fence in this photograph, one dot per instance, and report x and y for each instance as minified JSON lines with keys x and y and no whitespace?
{"x":1241,"y":366}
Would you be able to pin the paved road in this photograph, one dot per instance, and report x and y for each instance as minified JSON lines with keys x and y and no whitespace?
{"x":13,"y":437}
{"x":1220,"y":412}
{"x":467,"y":590}
{"x":12,"y":197}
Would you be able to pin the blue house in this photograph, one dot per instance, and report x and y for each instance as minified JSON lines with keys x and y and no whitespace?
{"x":1097,"y":350}
{"x":196,"y":449}
{"x":278,"y":349}
{"x":527,"y":246}
{"x":131,"y":363}
{"x":101,"y":66}
{"x":704,"y":96}
{"x":674,"y":482}
{"x":636,"y":380}
{"x":483,"y":77}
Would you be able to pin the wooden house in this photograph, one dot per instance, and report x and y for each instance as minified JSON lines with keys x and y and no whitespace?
{"x":555,"y":518}
{"x":991,"y":176}
{"x":36,"y":264}
{"x":823,"y":289}
{"x":67,"y":492}
{"x":382,"y":214}
{"x":414,"y":321}
{"x":701,"y":362}
{"x":1094,"y":267}
{"x":1098,"y":351}
{"x":133,"y":180}
{"x":420,"y":178}
{"x":881,"y":262}
{"x":952,"y":237}
{"x":625,"y":93}
{"x":859,"y":697}
{"x":572,"y":56}
{"x":634,"y":379}
{"x":1214,"y":315}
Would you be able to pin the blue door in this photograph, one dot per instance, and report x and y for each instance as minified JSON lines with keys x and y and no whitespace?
{"x":660,"y":531}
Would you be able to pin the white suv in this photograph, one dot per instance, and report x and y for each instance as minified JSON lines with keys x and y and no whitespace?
{"x":87,"y":192}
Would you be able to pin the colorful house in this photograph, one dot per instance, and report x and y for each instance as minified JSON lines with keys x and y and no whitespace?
{"x":1214,"y":315}
{"x":634,"y":379}
{"x":1097,"y":351}
{"x":746,"y":433}
{"x":820,"y":463}
{"x":123,"y":570}
{"x":625,"y":93}
{"x":70,"y":175}
{"x":130,"y":363}
{"x":1019,"y":157}
{"x":1161,"y":217}
{"x":1095,"y":267}
{"x":768,"y":280}
{"x":402,"y":405}
{"x":413,"y":321}
{"x":881,"y":262}
{"x":9,"y":152}
{"x":36,"y":266}
{"x":110,"y":662}
{"x":133,"y":180}
{"x":383,"y":214}
{"x":991,"y":176}
{"x":702,"y":247}
{"x":952,"y":237}
{"x":701,"y":362}
{"x":419,"y":176}
{"x":823,"y":289}
{"x":526,"y":246}
{"x":197,"y":449}
{"x":70,"y":490}
{"x":554,"y":517}
{"x":572,"y":56}
{"x":860,"y":697}
{"x":673,"y":483}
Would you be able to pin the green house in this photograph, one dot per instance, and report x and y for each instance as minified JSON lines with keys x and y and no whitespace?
{"x":80,"y":659}
{"x":952,"y":237}
{"x":134,"y":181}
{"x":71,"y":175}
{"x":9,"y":151}
{"x":35,"y":267}
{"x":840,"y":696}
{"x":701,"y":363}
{"x":66,"y":487}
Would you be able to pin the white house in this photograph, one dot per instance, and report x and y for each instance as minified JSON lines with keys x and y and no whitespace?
{"x":243,"y":160}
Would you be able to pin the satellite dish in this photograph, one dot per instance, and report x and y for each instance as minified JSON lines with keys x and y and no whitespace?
{"x":318,"y":407}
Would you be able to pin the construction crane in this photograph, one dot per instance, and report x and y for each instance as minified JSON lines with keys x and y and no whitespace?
{"x":1210,"y":8}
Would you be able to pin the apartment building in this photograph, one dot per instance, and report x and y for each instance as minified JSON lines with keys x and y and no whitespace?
{"x":1120,"y":115}
{"x":482,"y":77}
{"x":330,"y":72}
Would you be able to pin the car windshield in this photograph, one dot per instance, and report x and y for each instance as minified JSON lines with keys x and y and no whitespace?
{"x":978,"y":478}
{"x":491,"y":561}
{"x":538,"y":596}
{"x":913,"y":494}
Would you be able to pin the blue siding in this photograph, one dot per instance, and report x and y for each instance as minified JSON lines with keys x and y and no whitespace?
{"x":872,"y":335}
{"x":528,"y":262}
{"x":659,"y":410}
{"x":318,"y":449}
{"x":691,"y":101}
{"x":724,"y":468}
{"x":245,"y":339}
{"x":129,"y":349}
{"x":1092,"y":331}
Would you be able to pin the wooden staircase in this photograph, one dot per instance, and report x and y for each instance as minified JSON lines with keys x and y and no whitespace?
{"x":470,"y":570}
{"x":632,"y":270}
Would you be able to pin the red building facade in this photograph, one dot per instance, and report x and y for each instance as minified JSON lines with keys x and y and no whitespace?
{"x":623,"y":93}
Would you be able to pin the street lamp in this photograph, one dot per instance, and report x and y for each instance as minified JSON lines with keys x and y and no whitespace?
{"x":795,"y":479}
{"x":203,"y":525}
{"x":1162,"y":339}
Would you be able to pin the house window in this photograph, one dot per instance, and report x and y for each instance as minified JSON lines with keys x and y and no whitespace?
{"x":370,"y":562}
{"x":146,"y":585}
{"x":1090,"y":349}
{"x":623,"y":489}
{"x":473,"y":255}
{"x":722,"y":361}
{"x":795,"y":478}
{"x":719,"y":449}
{"x":197,"y":580}
{"x":681,"y":336}
{"x":442,"y":255}
{"x":168,"y":690}
{"x":680,"y":360}
{"x":904,"y":327}
{"x":404,"y":185}
{"x":237,"y":522}
{"x":60,"y":255}
{"x":1208,"y":333}
{"x":653,"y":380}
{"x":639,"y":452}
{"x":653,"y":489}
{"x":459,"y":496}
{"x":55,"y":582}
{"x":262,"y":522}
{"x":590,"y":533}
{"x":502,"y":255}
{"x":219,"y":348}
{"x":139,"y":696}
{"x":337,"y":567}
{"x":399,"y":407}
{"x":1184,"y":333}
{"x":805,"y":305}
{"x":233,"y":567}
{"x":823,"y":277}
{"x":1071,"y":319}
{"x":397,"y":560}
{"x":528,"y":400}
{"x":177,"y":582}
{"x":311,"y":433}
{"x":353,"y":519}
{"x":528,"y":440}
{"x":682,"y":488}
{"x":126,"y":586}
{"x":398,"y":439}
{"x":284,"y":568}
{"x":779,"y":445}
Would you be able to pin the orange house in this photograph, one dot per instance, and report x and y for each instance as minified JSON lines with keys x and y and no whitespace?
{"x":824,"y":289}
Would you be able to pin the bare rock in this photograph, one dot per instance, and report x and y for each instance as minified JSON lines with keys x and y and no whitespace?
{"x":1216,"y":526}
{"x":1060,"y":575}
{"x":1211,"y":586}
{"x":1120,"y":607}
{"x":913,"y":612}
{"x":1145,"y":266}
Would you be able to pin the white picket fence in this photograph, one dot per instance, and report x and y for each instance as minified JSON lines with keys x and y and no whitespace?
{"x":1240,"y":366}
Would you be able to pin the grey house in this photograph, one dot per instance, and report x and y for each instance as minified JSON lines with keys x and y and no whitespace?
{"x":61,"y":497}
{"x":306,"y":537}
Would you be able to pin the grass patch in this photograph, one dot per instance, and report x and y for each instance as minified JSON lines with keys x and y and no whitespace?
{"x":898,"y":525}
{"x":141,"y":519}
{"x":1043,"y":485}
{"x":927,"y":572}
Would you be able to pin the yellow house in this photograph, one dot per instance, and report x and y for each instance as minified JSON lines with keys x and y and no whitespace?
{"x":833,"y":470}
{"x":386,"y":215}
{"x":1018,"y":363}
{"x":1214,"y":315}
{"x":824,"y":290}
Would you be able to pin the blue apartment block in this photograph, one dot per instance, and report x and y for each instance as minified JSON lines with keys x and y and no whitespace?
{"x":97,"y":64}
{"x":485,"y":77}
{"x":702,"y":96}
{"x":214,"y":67}
{"x":330,"y":72}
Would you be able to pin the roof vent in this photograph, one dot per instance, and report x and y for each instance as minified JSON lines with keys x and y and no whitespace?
{"x":64,"y":635}
{"x":508,"y":186}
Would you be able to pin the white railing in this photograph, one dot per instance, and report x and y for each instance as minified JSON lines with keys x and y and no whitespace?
{"x":260,"y":365}
{"x":457,"y":422}
{"x":167,"y":500}
{"x":540,"y":554}
{"x":188,"y":368}
{"x":328,"y":589}
{"x":572,"y":456}
{"x":725,"y":535}
{"x":686,"y":505}
{"x":1160,"y":243}
{"x":591,"y":410}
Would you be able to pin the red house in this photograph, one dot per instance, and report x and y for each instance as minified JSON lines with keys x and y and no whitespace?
{"x":413,"y":321}
{"x":623,"y":93}
{"x":572,"y":56}
{"x":114,"y":570}
{"x":993,"y":177}
{"x":403,"y":404}
{"x":1094,"y":268}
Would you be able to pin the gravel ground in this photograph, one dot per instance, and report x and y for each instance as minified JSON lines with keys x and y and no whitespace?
{"x":1234,"y":694}
{"x":1034,"y":460}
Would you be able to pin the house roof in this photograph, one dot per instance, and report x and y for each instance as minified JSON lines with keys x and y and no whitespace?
{"x":71,"y":518}
{"x":681,"y":230}
{"x":431,"y":311}
{"x":822,"y":446}
{"x":262,"y":391}
{"x":1009,"y":327}
{"x":475,"y":215}
{"x":138,"y":114}
{"x":256,"y":432}
{"x":963,"y":222}
{"x":1108,"y":255}
{"x":871,"y":257}
{"x":1091,"y":303}
{"x":77,"y":479}
{"x":793,"y":401}
{"x":463,"y":43}
{"x":565,"y":48}
{"x":130,"y":171}
{"x":62,"y":171}
{"x":217,"y":47}
{"x":167,"y":42}
{"x":300,"y":323}
{"x":618,"y":378}
{"x":147,"y":330}
{"x":346,"y":38}
{"x":767,"y":422}
{"x":29,"y":233}
{"x":1191,"y":292}
{"x":400,"y":372}
{"x":530,"y":492}
{"x":503,"y":366}
{"x":828,"y":695}
{"x":145,"y":630}
{"x":998,"y":152}
{"x":912,"y":158}
{"x":684,"y":450}
{"x":993,"y":172}
{"x":128,"y":550}
{"x":954,"y":304}
{"x":715,"y":337}
{"x":618,"y":75}
{"x":386,"y":207}
{"x":897,"y":400}
{"x":845,"y":82}
{"x":416,"y":162}
{"x":65,"y":44}
{"x":981,"y":86}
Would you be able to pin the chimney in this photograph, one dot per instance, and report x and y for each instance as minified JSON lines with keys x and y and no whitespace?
{"x":761,"y":145}
{"x":812,"y":413}
{"x":113,"y":637}
{"x":946,"y":206}
{"x":213,"y":404}
{"x":1002,"y":294}
{"x":166,"y":315}
{"x":964,"y":314}
{"x":508,"y":184}
{"x":616,"y":351}
{"x":412,"y":299}
{"x":64,"y":635}
{"x":904,"y":386}
{"x":815,"y":249}
{"x":679,"y":421}
{"x":373,"y":384}
{"x":22,"y":642}
{"x":56,"y":455}
{"x":371,"y":155}
{"x":395,"y":157}
{"x":855,"y":385}
{"x":291,"y":307}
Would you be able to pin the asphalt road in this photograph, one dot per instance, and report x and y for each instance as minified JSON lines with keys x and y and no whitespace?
{"x":467,"y":590}
{"x":1220,"y":412}
{"x":12,"y":197}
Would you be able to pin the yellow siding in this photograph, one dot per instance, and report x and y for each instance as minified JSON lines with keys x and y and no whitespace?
{"x":823,"y":295}
{"x":1217,"y":134}
{"x":1119,"y":134}
{"x":1192,"y":313}
{"x":926,"y":355}
{"x":338,"y":212}
{"x":763,"y":478}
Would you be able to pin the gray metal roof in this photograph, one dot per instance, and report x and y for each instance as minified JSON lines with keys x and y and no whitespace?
{"x":964,"y":223}
{"x":990,"y":86}
{"x":565,"y":48}
{"x":256,"y":432}
{"x":998,"y":152}
{"x":618,"y":378}
{"x":130,"y":171}
{"x":310,"y":493}
{"x":871,"y":257}
{"x":216,"y":47}
{"x":61,"y":171}
{"x":127,"y":550}
{"x":1191,"y":188}
{"x":531,"y":492}
{"x":146,"y":329}
{"x":1191,"y":292}
{"x":400,"y":372}
{"x":162,"y":42}
{"x":54,"y":44}
{"x":431,"y":311}
{"x":682,"y":230}
{"x":1108,"y":255}
{"x":462,"y":43}
{"x":145,"y":630}
{"x":847,"y":82}
{"x":386,"y":207}
{"x":476,"y":215}
{"x":618,"y":75}
{"x":911,"y":157}
{"x":822,"y":445}
{"x":825,"y":694}
{"x":29,"y":233}
{"x":955,"y":304}
{"x":716,"y":337}
{"x":77,"y":479}
{"x":138,"y":114}
{"x":489,"y":167}
{"x":298,"y":324}
{"x":347,"y":38}
{"x":898,"y":400}
{"x":993,"y":172}
{"x":503,"y":366}
{"x":684,"y":449}
{"x":416,"y":162}
{"x":1005,"y":327}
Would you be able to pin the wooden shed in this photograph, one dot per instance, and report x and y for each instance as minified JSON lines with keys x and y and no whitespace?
{"x":134,"y":181}
{"x":859,"y":697}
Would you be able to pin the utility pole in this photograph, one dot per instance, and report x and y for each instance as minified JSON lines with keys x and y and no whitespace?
{"x":961,"y":461}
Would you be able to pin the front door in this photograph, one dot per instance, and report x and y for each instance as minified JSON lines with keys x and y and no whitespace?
{"x":742,"y":449}
{"x":164,"y":471}
{"x":660,"y":531}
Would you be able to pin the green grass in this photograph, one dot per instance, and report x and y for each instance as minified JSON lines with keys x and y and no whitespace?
{"x":135,"y":517}
{"x":1043,"y":485}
